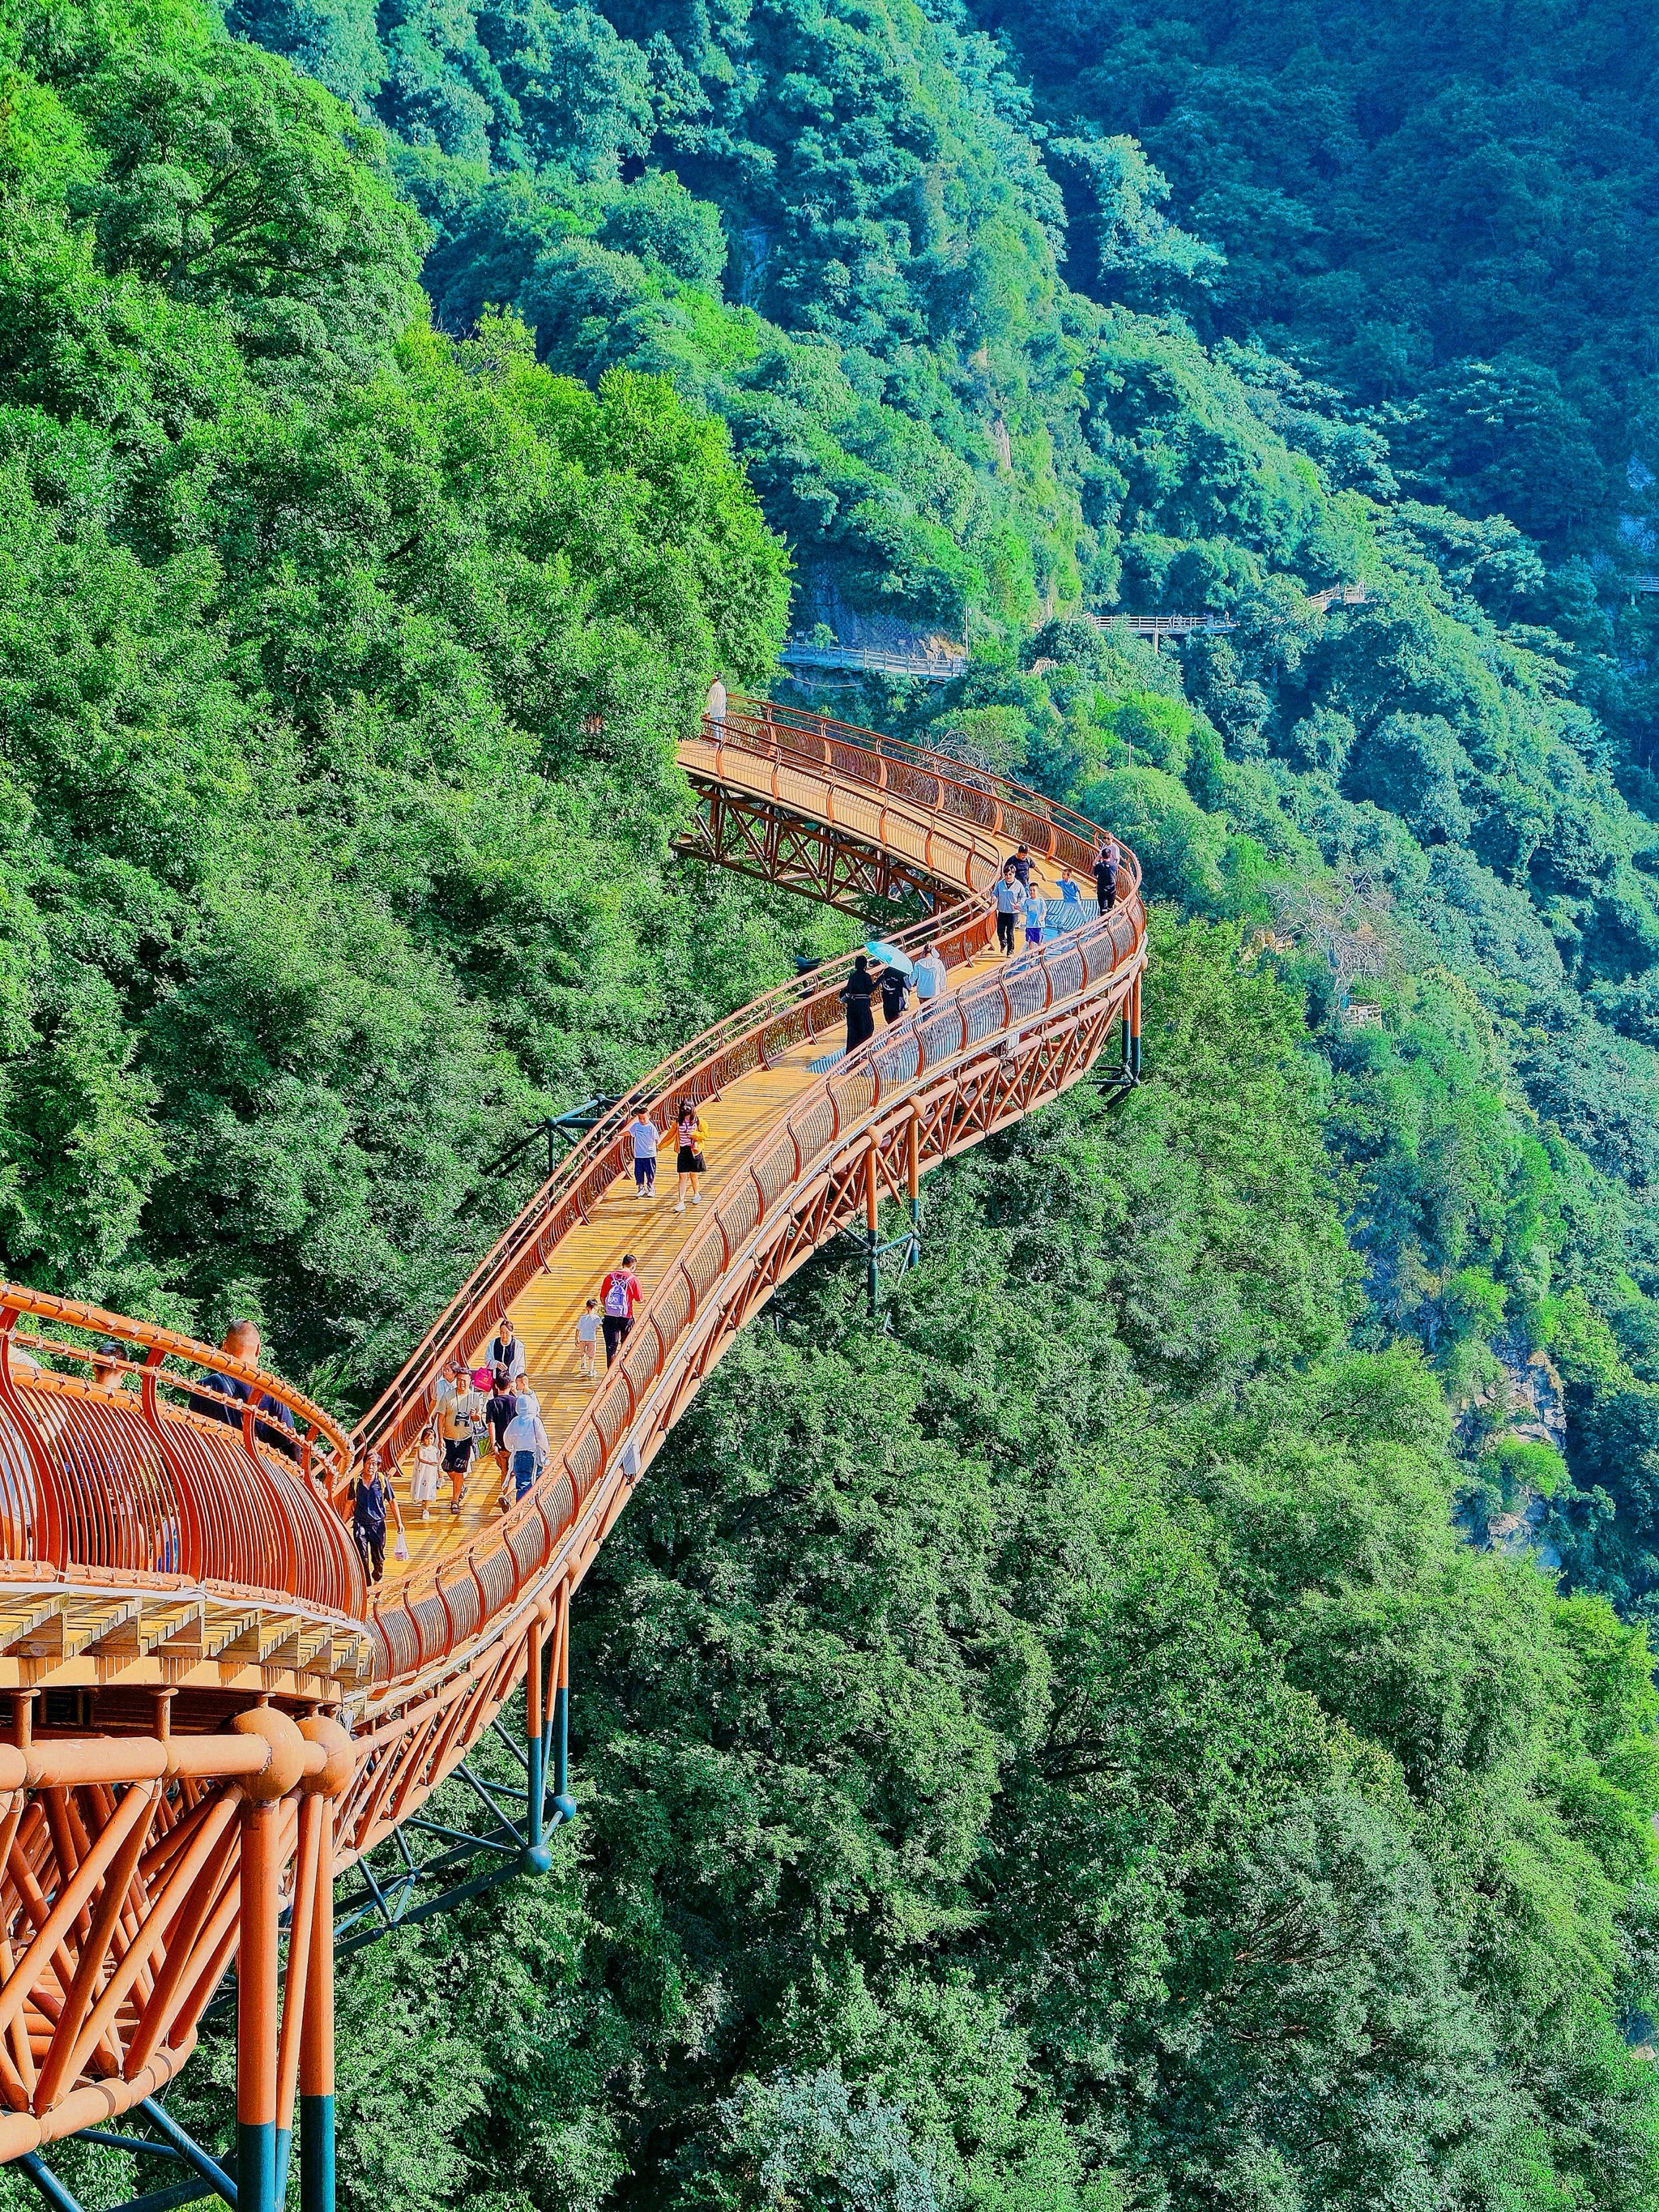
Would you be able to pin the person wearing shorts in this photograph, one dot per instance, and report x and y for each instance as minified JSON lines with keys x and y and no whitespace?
{"x":1035,"y":908}
{"x":690,"y":1135}
{"x":619,"y":1293}
{"x":455,"y":1428}
{"x":587,"y":1338}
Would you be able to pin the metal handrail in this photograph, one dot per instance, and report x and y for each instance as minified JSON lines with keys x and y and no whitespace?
{"x":761,"y":725}
{"x":144,"y":1473}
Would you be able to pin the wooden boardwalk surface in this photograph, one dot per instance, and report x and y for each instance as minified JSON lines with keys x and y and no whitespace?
{"x":546,"y":1314}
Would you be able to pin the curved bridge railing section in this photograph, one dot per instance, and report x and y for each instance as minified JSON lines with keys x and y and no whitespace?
{"x":209,"y":1718}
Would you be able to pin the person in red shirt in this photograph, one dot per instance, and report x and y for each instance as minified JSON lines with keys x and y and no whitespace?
{"x":619,"y":1293}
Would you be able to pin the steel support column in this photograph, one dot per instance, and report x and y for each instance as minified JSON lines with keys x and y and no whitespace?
{"x":317,"y":2034}
{"x":563,"y":1803}
{"x":260,"y":1822}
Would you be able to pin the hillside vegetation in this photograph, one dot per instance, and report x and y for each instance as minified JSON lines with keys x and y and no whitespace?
{"x":1060,"y":1752}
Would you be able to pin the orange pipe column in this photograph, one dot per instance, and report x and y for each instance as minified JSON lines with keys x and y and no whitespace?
{"x":261,"y":1823}
{"x":323,"y":1792}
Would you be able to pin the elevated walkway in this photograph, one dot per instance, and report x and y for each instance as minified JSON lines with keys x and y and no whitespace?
{"x":211,"y":1715}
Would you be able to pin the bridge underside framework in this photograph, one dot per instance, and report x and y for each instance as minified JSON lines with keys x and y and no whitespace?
{"x":754,"y":836}
{"x":221,"y":1752}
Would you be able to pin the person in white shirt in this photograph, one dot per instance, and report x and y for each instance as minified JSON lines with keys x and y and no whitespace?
{"x":643,"y":1133}
{"x":714,"y":709}
{"x":524,"y":1441}
{"x":587,"y":1338}
{"x":930,"y":975}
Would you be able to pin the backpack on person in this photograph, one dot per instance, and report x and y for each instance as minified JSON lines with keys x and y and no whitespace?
{"x":616,"y":1296}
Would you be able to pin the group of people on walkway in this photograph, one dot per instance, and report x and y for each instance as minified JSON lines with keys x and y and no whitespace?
{"x":487,"y":1407}
{"x":691,"y":1160}
{"x":1022,"y":907}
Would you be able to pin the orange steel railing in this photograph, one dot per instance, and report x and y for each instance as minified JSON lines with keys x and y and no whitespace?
{"x":443,"y":1606}
{"x":124,"y":1470}
{"x":746,"y":1040}
{"x":1007,"y":809}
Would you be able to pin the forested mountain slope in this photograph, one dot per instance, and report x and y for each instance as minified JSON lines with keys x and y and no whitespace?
{"x":1060,"y":1754}
{"x":842,"y":232}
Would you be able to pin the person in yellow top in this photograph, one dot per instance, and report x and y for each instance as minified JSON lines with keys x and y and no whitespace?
{"x":689,"y":1161}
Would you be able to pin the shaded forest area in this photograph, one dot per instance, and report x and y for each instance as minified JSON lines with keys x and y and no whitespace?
{"x":1062,"y":1752}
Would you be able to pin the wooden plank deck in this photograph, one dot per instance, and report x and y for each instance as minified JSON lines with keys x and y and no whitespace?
{"x":545,"y":1314}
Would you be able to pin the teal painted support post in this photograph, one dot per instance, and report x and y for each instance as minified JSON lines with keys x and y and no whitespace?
{"x":536,"y":1858}
{"x":563,"y":1803}
{"x":317,"y":2153}
{"x":284,"y":2146}
{"x":256,"y":2166}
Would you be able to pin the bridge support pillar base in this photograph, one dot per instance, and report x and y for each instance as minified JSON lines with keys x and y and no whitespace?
{"x":317,"y":2153}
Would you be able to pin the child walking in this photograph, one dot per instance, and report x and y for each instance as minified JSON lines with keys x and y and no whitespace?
{"x":428,"y":1457}
{"x":587,"y":1338}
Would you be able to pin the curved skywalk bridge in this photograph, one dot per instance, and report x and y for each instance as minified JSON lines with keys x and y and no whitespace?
{"x":211,"y":1720}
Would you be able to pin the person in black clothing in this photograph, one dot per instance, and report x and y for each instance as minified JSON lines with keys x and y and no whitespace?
{"x":1107,"y":861}
{"x":371,"y":1495}
{"x":861,"y":1016}
{"x":500,"y":1406}
{"x":276,"y":1428}
{"x":506,"y":1350}
{"x":1021,"y":865}
{"x":895,"y":992}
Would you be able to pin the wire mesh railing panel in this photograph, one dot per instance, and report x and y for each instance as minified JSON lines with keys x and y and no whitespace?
{"x":814,"y":1125}
{"x":527,"y":1536}
{"x":494,"y":1567}
{"x":740,"y":1208}
{"x":463,"y":1602}
{"x":1066,"y":970}
{"x":583,"y":1458}
{"x":774,"y":1168}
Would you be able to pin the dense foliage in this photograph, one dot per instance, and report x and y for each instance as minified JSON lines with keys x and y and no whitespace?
{"x":1056,"y":1754}
{"x":340,"y":669}
{"x":1061,"y":1751}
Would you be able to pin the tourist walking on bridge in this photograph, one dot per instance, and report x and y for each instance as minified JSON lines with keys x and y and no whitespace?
{"x":372,"y":1499}
{"x":456,"y":1416}
{"x":619,"y":1293}
{"x":587,"y":1337}
{"x":1010,"y":895}
{"x":930,"y":975}
{"x":1108,"y":860}
{"x":276,"y":1424}
{"x":500,"y":1406}
{"x":691,"y":1134}
{"x":855,"y":996}
{"x":428,"y":1458}
{"x":714,"y":707}
{"x":505,"y":1350}
{"x":642,"y":1134}
{"x":526,"y":1440}
{"x":895,"y":992}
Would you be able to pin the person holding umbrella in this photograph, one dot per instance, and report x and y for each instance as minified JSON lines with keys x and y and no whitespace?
{"x":856,"y":994}
{"x":897,"y":973}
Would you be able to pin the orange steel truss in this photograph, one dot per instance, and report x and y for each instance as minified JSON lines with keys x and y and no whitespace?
{"x":211,"y":1718}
